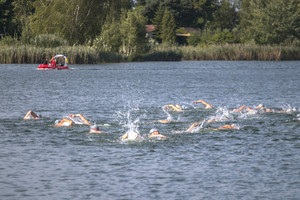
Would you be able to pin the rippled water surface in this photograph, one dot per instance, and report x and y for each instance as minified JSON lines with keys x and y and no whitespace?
{"x":260,"y":160}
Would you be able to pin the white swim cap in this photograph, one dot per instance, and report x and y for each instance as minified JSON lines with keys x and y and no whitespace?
{"x":153,"y":130}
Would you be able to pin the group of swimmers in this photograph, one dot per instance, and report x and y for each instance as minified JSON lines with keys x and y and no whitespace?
{"x":72,"y":119}
{"x":154,"y":133}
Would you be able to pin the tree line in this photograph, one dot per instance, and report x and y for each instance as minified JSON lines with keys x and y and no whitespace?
{"x":119,"y":25}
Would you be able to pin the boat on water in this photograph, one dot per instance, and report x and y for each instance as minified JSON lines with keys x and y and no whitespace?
{"x":53,"y":64}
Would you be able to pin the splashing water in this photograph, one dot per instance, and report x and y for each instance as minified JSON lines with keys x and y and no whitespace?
{"x":76,"y":120}
{"x":222,"y":114}
{"x":126,"y":119}
{"x":288,"y":108}
{"x":198,"y":128}
{"x":169,"y":116}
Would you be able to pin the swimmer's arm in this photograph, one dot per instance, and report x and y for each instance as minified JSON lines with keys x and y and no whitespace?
{"x":83,"y":119}
{"x":239,"y":109}
{"x":192,"y":126}
{"x":175,"y":107}
{"x":164,"y":121}
{"x":30,"y":112}
{"x":125,"y":136}
{"x":159,"y":135}
{"x":61,"y":123}
{"x":207,"y":105}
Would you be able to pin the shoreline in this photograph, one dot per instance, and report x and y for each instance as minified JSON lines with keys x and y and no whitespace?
{"x":86,"y":55}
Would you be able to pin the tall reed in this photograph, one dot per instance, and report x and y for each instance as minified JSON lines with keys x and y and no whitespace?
{"x":87,"y":55}
{"x":31,"y":54}
{"x":240,"y":52}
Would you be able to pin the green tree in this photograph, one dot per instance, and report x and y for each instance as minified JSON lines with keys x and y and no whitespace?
{"x":7,"y":24}
{"x":273,"y":21}
{"x":78,"y":21}
{"x":225,"y":16}
{"x":168,"y":34}
{"x":115,"y":9}
{"x":194,"y":39}
{"x":203,"y":10}
{"x":110,"y":39}
{"x":194,"y":13}
{"x":133,"y":32}
{"x":157,"y":22}
{"x":23,"y":9}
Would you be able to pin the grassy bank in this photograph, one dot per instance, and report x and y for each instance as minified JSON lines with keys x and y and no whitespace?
{"x":240,"y":52}
{"x":31,"y":54}
{"x":86,"y":55}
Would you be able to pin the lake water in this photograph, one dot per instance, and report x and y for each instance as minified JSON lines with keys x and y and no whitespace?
{"x":260,"y":160}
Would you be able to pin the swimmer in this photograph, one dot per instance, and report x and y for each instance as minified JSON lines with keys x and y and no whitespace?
{"x":154,"y":133}
{"x":70,"y":122}
{"x":260,"y":106}
{"x":239,"y":109}
{"x":163,"y":121}
{"x":258,"y":109}
{"x":263,"y":108}
{"x":131,"y":135}
{"x":31,"y":115}
{"x":194,"y":125}
{"x":64,"y":122}
{"x":95,"y":129}
{"x":176,"y":107}
{"x":287,"y":109}
{"x":207,"y":105}
{"x":251,"y":111}
{"x":217,"y":119}
{"x":227,"y":127}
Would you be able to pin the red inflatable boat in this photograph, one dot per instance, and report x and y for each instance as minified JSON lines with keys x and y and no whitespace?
{"x":53,"y":64}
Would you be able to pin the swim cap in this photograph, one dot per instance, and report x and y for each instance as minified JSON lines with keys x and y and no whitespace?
{"x":153,"y":130}
{"x":94,"y":128}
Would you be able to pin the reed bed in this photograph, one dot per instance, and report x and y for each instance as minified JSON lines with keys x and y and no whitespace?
{"x":240,"y":52}
{"x":170,"y":55}
{"x":86,"y":55}
{"x":32,"y":54}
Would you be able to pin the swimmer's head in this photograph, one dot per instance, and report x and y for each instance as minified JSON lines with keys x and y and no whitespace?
{"x":153,"y":131}
{"x":234,"y":126}
{"x":94,"y":128}
{"x":56,"y":122}
{"x":260,"y":106}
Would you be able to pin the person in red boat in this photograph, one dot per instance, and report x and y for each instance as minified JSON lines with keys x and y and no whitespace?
{"x":45,"y":61}
{"x":53,"y":62}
